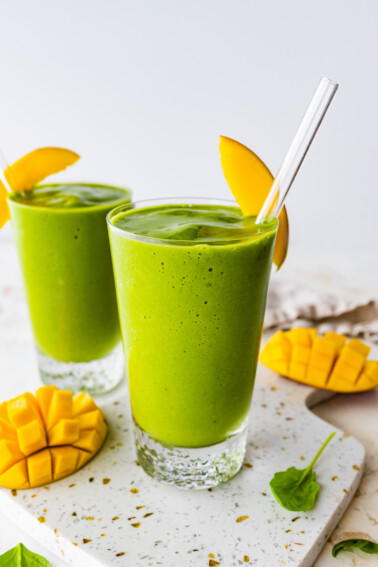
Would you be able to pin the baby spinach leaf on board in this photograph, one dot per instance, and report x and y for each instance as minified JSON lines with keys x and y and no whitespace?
{"x":20,"y":556}
{"x":295,"y":489}
{"x":363,"y":544}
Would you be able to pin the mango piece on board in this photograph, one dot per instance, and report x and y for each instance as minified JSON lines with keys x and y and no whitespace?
{"x":359,"y":346}
{"x":60,"y":407}
{"x":83,"y":403}
{"x":339,"y":340}
{"x":40,"y":468}
{"x":301,"y":335}
{"x":21,"y":411}
{"x":277,"y":353}
{"x":301,"y":340}
{"x":4,"y":417}
{"x":31,"y":437}
{"x":88,"y":441}
{"x":16,"y":476}
{"x":323,"y":354}
{"x":83,"y":458}
{"x":298,"y":370}
{"x":91,"y":420}
{"x":10,"y":454}
{"x":363,"y":383}
{"x":7,"y":432}
{"x":64,"y":461}
{"x":328,"y":362}
{"x":369,"y":376}
{"x":349,"y":363}
{"x":65,"y":432}
{"x":370,"y":369}
{"x":41,"y":439}
{"x":44,"y":397}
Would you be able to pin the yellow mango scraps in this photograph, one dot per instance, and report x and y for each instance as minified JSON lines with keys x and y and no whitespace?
{"x":328,"y":362}
{"x":250,"y":182}
{"x":47,"y":437}
{"x":30,"y":170}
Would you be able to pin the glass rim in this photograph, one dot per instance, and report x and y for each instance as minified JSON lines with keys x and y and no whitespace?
{"x":96,"y":207}
{"x":146,"y":203}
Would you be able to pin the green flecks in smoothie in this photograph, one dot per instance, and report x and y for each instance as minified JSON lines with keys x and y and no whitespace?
{"x":71,"y":195}
{"x":190,"y":223}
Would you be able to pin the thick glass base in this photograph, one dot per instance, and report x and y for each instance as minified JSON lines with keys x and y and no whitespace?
{"x":191,"y":468}
{"x":95,"y":377}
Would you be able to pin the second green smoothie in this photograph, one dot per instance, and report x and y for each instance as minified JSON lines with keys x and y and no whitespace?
{"x":61,"y":236}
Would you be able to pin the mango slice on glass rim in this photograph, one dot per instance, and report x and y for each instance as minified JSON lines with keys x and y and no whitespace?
{"x":328,"y":362}
{"x":30,"y":170}
{"x":48,"y":436}
{"x":4,"y":209}
{"x":250,"y":181}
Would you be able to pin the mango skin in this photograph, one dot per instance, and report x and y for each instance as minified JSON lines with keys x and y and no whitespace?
{"x":47,"y":437}
{"x":328,"y":362}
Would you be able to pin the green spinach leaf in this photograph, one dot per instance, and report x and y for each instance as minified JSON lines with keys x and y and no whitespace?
{"x":295,"y":489}
{"x":364,"y":544}
{"x":20,"y":556}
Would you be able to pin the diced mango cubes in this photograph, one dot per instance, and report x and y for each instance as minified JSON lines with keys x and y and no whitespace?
{"x":40,"y":468}
{"x":47,"y":437}
{"x":64,"y":461}
{"x":279,"y":353}
{"x":31,"y":437}
{"x":328,"y":362}
{"x":301,"y":340}
{"x":16,"y":476}
{"x":65,"y":432}
{"x":322,"y":357}
{"x":10,"y":454}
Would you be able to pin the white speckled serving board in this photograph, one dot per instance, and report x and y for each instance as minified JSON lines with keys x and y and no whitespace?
{"x":96,"y":518}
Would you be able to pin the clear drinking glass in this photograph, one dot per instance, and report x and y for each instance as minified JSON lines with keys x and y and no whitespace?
{"x":68,"y":276}
{"x":191,"y":318}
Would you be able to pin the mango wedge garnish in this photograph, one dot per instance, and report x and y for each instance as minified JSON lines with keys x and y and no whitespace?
{"x":30,"y":170}
{"x":250,"y":181}
{"x":4,"y":209}
{"x":47,"y":437}
{"x":328,"y":362}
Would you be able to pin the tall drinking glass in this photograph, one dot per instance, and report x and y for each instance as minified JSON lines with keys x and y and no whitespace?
{"x":63,"y":246}
{"x":191,"y":279}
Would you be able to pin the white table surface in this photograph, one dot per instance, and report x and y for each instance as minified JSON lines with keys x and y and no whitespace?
{"x":355,"y":414}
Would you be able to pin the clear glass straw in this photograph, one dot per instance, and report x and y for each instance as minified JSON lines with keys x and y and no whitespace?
{"x":299,"y":147}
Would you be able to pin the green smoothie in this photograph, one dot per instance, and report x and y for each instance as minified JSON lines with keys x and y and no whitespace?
{"x":62,"y":241}
{"x":191,"y":284}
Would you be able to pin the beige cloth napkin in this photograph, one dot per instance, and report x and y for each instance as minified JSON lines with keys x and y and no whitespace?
{"x":292,"y":304}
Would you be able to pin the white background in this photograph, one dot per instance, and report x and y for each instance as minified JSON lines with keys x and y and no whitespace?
{"x":142,"y":89}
